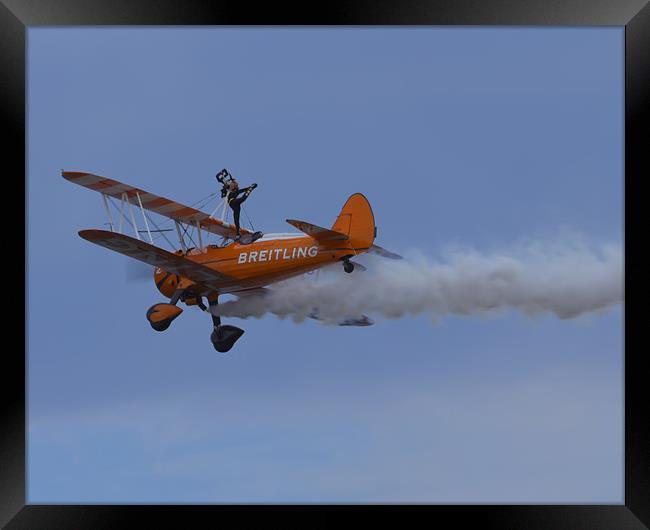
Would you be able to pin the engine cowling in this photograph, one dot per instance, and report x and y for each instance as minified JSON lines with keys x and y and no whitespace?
{"x":165,"y":281}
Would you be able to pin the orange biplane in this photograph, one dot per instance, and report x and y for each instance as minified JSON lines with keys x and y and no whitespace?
{"x":242,"y":267}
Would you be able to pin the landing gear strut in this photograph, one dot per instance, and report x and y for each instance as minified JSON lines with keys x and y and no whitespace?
{"x":223,"y":337}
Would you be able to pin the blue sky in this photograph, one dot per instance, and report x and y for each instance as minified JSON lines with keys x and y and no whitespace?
{"x":481,"y":137}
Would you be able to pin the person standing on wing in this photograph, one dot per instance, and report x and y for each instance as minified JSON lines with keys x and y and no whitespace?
{"x":232,"y":191}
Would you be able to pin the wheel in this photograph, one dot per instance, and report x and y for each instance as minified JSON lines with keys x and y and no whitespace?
{"x":348,"y":267}
{"x":160,"y":316}
{"x":224,"y":337}
{"x":161,"y":326}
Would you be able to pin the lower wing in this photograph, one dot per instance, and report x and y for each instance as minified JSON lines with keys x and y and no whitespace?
{"x":158,"y":257}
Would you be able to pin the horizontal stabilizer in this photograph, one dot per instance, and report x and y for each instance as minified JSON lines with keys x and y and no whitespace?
{"x":361,"y":321}
{"x":317,"y":232}
{"x":375,"y":249}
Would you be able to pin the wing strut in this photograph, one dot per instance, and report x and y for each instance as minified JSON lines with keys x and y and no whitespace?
{"x":156,"y":204}
{"x":135,"y":226}
{"x":198,"y":230}
{"x":118,"y":228}
{"x":144,"y":217}
{"x":180,"y":237}
{"x":108,"y":212}
{"x":121,"y":214}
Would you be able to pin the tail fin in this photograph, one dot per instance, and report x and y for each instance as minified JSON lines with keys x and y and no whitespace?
{"x":357,"y":221}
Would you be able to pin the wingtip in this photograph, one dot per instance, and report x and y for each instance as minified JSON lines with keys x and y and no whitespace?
{"x":92,"y":234}
{"x":72,"y":175}
{"x":86,"y":233}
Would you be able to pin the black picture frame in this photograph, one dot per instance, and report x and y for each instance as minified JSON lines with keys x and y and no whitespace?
{"x":16,"y":16}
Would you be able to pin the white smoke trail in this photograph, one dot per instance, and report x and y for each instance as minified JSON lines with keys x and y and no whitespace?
{"x":567,"y":280}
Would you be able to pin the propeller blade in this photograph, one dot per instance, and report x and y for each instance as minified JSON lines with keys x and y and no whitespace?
{"x":136,"y":271}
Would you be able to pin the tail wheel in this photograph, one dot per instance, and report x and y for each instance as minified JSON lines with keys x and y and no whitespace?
{"x":348,"y":266}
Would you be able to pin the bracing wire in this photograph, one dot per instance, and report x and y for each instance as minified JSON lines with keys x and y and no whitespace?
{"x":110,"y":201}
{"x":185,"y":233}
{"x":199,"y":204}
{"x":161,"y":233}
{"x":196,"y":205}
{"x":157,"y":236}
{"x":249,"y":219}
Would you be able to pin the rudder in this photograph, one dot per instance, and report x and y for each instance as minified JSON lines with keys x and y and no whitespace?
{"x":357,"y":221}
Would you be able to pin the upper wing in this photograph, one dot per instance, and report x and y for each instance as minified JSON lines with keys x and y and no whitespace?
{"x":154,"y":203}
{"x":317,"y":232}
{"x":158,"y":257}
